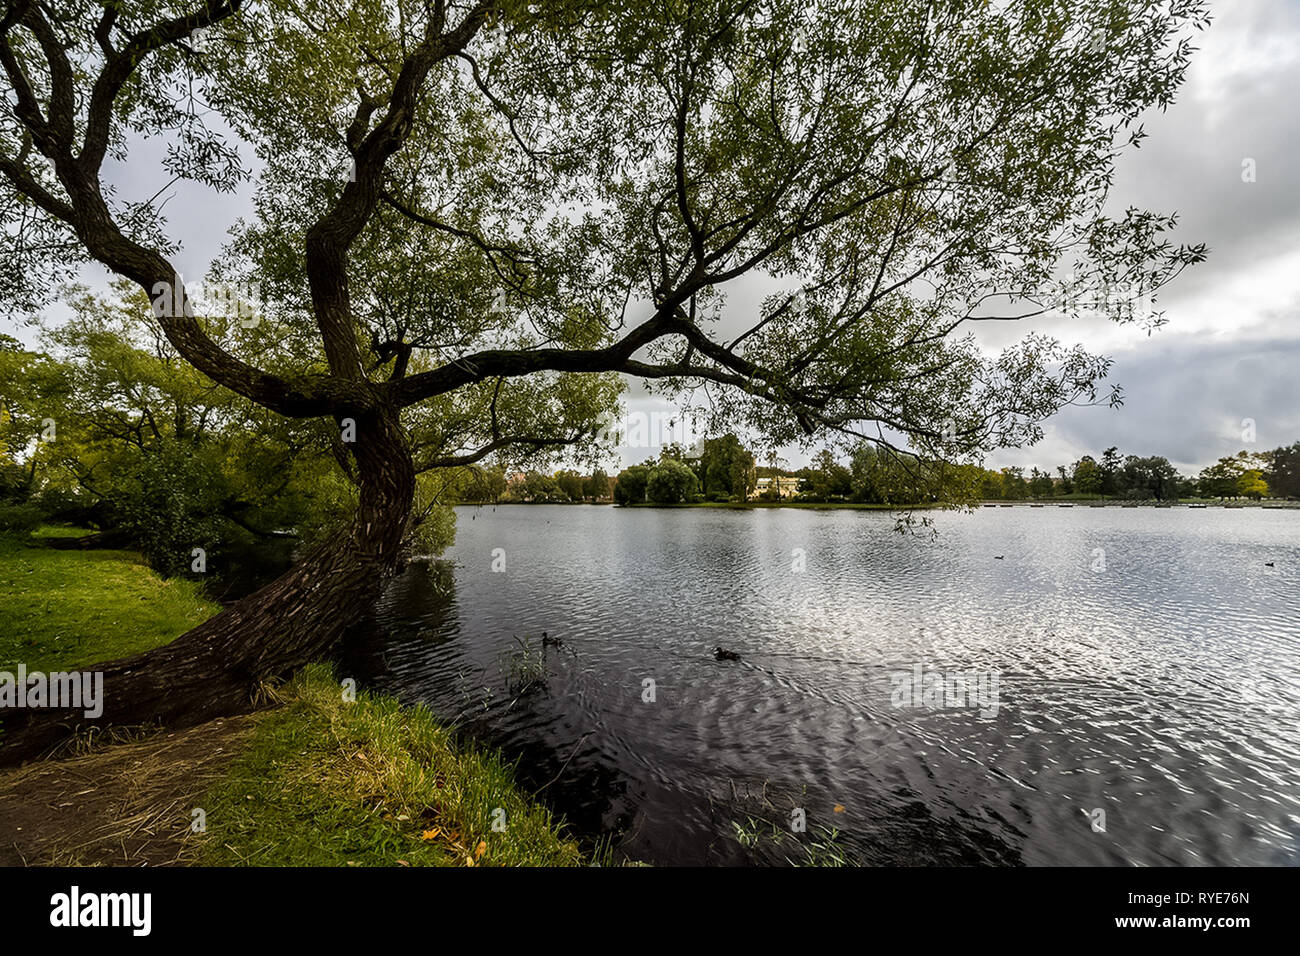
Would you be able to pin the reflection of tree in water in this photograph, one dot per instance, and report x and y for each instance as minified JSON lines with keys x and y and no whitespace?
{"x":417,"y":606}
{"x":587,"y":792}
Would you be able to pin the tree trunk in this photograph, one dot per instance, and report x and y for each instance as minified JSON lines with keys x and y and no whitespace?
{"x":217,"y":668}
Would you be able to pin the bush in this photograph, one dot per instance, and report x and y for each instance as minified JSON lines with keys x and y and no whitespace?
{"x":169,"y":506}
{"x":436,"y":532}
{"x":671,"y":482}
{"x":60,"y":504}
{"x":15,"y":482}
{"x":19,"y":519}
{"x":631,"y":485}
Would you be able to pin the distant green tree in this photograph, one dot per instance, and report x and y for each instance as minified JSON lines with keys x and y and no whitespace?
{"x":671,"y":482}
{"x":1014,"y":485}
{"x":1064,"y":481}
{"x":990,"y":485}
{"x":1040,"y":484}
{"x":727,"y":468}
{"x":1220,"y":480}
{"x":630,"y":487}
{"x":570,"y":484}
{"x":1283,"y":471}
{"x":826,"y":478}
{"x":1164,"y":479}
{"x":1146,"y":478}
{"x":868,"y":475}
{"x":540,"y":487}
{"x":1087,"y":476}
{"x":1110,"y":465}
{"x":883,"y":476}
{"x":595,"y":487}
{"x":484,"y":484}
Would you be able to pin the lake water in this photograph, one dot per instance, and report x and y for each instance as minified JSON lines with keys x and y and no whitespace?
{"x":1147,"y":661}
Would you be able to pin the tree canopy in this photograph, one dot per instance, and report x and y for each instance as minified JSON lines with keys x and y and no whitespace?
{"x":501,"y":201}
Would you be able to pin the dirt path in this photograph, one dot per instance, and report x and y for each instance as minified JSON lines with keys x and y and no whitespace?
{"x":125,"y":805}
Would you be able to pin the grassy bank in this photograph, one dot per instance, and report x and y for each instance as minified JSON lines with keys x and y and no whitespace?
{"x":314,"y":781}
{"x":67,"y":609}
{"x":370,"y":783}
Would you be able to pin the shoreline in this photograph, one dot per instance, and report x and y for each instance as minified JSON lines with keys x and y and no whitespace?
{"x":382,"y":783}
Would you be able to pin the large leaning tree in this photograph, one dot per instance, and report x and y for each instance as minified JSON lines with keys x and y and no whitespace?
{"x":470,"y":221}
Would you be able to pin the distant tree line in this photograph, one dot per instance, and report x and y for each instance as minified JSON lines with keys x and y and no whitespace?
{"x":722,"y":469}
{"x":498,"y":484}
{"x":1270,"y":474}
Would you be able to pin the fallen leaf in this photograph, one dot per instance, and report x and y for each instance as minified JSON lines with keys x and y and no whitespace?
{"x":480,"y":849}
{"x":839,"y":808}
{"x":431,"y":834}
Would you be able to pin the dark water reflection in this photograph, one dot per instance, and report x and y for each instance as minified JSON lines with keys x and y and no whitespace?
{"x":1163,"y":689}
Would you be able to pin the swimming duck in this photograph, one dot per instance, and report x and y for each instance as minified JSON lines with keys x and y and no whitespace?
{"x":725,"y":655}
{"x":548,"y":641}
{"x":998,"y":557}
{"x":1268,"y":564}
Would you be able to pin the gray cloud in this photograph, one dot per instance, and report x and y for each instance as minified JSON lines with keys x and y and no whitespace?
{"x":1184,"y":398}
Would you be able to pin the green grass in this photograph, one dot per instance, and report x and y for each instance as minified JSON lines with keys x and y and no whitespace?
{"x":370,"y":783}
{"x":60,"y":531}
{"x":68,"y":609}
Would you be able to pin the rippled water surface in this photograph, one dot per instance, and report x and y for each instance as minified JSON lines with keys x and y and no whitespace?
{"x":1148,"y":665}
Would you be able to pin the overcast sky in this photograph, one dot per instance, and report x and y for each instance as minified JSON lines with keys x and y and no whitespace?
{"x":1231,"y":350}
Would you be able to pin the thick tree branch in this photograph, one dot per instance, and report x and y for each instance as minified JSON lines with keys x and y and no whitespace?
{"x":328,"y":241}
